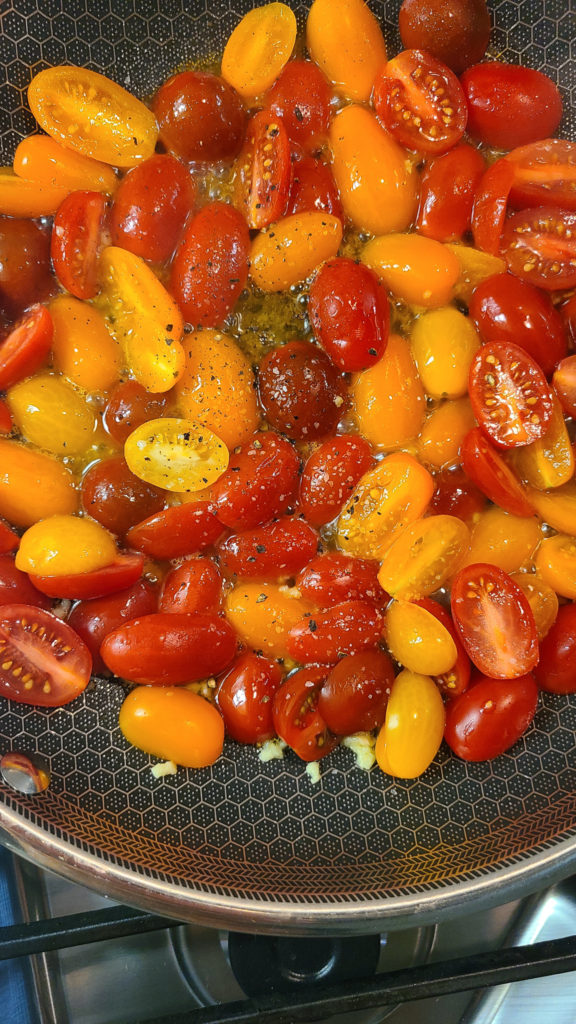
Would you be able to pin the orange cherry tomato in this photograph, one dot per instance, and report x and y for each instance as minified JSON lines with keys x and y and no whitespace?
{"x":258,"y":49}
{"x":26,"y":347}
{"x":444,"y":343}
{"x":412,"y":732}
{"x":263,"y":615}
{"x":548,"y":461}
{"x":51,"y":414}
{"x":346,"y":40}
{"x":418,"y":640}
{"x":557,"y":507}
{"x":388,"y":399}
{"x":76,"y":242}
{"x":475,"y":266}
{"x":43,"y":160}
{"x":63,"y":545}
{"x":422,"y":556}
{"x":504,"y":540}
{"x":22,"y":198}
{"x":289,"y":250}
{"x":444,"y":431}
{"x":33,"y":485}
{"x":173,"y":724}
{"x":556,"y":563}
{"x":418,"y":270}
{"x":83,"y":348}
{"x":541,"y":598}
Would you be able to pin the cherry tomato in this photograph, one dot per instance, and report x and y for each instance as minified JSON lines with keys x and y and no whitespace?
{"x":456,"y":495}
{"x":540,"y":597}
{"x":76,"y":242}
{"x":420,"y":102}
{"x":270,"y":552}
{"x":291,"y":249}
{"x":313,"y":189}
{"x":444,"y":343}
{"x":456,"y":679}
{"x":347,"y":42}
{"x":548,"y":462}
{"x":490,"y":203}
{"x":301,"y":391}
{"x":9,"y":540}
{"x":296,"y":717}
{"x":65,"y":544}
{"x":332,"y":578}
{"x":568,"y":313}
{"x":200,"y":117}
{"x":175,"y":454}
{"x":564,"y":381}
{"x":540,"y":247}
{"x":557,"y":508}
{"x":245,"y":696}
{"x":417,"y":270}
{"x":129,"y":406}
{"x":492,"y":475}
{"x":173,"y":724}
{"x":258,"y":48}
{"x":83,"y":349}
{"x":388,"y":399}
{"x":175,"y":532}
{"x":509,"y":105}
{"x":93,"y":620}
{"x":449,"y":184}
{"x":418,"y":639}
{"x":260,"y":482}
{"x":544,"y":173}
{"x":345,"y":628}
{"x":6,"y":424}
{"x":504,"y":540}
{"x":33,"y":485}
{"x":422,"y":556}
{"x":300,"y":97}
{"x":475,"y":266}
{"x":455,"y":31}
{"x":25,"y":349}
{"x":22,"y":198}
{"x":556,"y":563}
{"x":412,"y":732}
{"x":43,"y":661}
{"x":25,"y":267}
{"x":15,"y":586}
{"x":330,"y":475}
{"x":556,"y":670}
{"x":116,"y":498}
{"x":263,"y":615}
{"x":164,"y":649}
{"x":490,"y":717}
{"x":354,"y":696}
{"x":194,"y":586}
{"x":349,"y":313}
{"x":50,"y":413}
{"x":43,"y":160}
{"x":443,"y":432}
{"x":509,"y":394}
{"x":494,"y":620}
{"x":151,"y":206}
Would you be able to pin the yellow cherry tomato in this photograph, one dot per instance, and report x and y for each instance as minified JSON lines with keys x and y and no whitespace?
{"x":52,"y":415}
{"x":444,"y":430}
{"x":502,"y":539}
{"x":418,"y":640}
{"x":153,"y":359}
{"x":549,"y":461}
{"x":263,"y":615}
{"x":288,"y":251}
{"x":92,"y":115}
{"x":346,"y":40}
{"x":418,"y":270}
{"x":557,"y":507}
{"x":173,"y":723}
{"x":64,"y":545}
{"x":43,"y":160}
{"x":388,"y":399}
{"x":378,"y":183}
{"x":444,"y":343}
{"x":83,"y":348}
{"x":423,"y":555}
{"x":475,"y":266}
{"x":258,"y":49}
{"x":176,"y":454}
{"x":21,"y":198}
{"x":33,"y":485}
{"x":217,"y":389}
{"x":541,"y":598}
{"x":556,"y":563}
{"x":397,"y":491}
{"x":414,"y":726}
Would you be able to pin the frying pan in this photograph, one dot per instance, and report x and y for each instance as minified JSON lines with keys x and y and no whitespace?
{"x":248,"y":845}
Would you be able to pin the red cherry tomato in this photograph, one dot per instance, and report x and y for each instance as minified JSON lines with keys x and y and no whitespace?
{"x":76,"y":242}
{"x":279,"y":549}
{"x":15,"y":586}
{"x":564,"y":381}
{"x":456,"y":680}
{"x":509,"y":105}
{"x":260,"y":482}
{"x":449,"y":185}
{"x":9,"y":540}
{"x":492,"y":475}
{"x":509,"y":395}
{"x":331,"y":474}
{"x":200,"y":117}
{"x":345,"y":628}
{"x":494,"y":620}
{"x":25,"y":266}
{"x":296,"y":717}
{"x":334,"y":577}
{"x":168,"y":649}
{"x":349,"y":312}
{"x":43,"y":661}
{"x":129,"y":406}
{"x":420,"y":102}
{"x":506,"y":309}
{"x":93,"y":620}
{"x":263,"y":170}
{"x":301,"y":391}
{"x":568,"y":313}
{"x":210,"y":268}
{"x":456,"y":495}
{"x":490,"y":202}
{"x":85,"y":586}
{"x":490,"y":717}
{"x":176,"y":531}
{"x":544,"y":174}
{"x":540,"y":247}
{"x":355,"y":694}
{"x":301,"y":97}
{"x":150,"y":208}
{"x":26,"y":347}
{"x":116,"y":498}
{"x":194,"y":586}
{"x":455,"y":31}
{"x":6,"y":425}
{"x":556,"y":670}
{"x":245,"y":697}
{"x":313,"y":188}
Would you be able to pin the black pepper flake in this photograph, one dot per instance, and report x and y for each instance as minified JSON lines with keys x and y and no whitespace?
{"x":261,"y":598}
{"x":260,"y":548}
{"x":298,"y":114}
{"x":372,"y":352}
{"x":312,"y":626}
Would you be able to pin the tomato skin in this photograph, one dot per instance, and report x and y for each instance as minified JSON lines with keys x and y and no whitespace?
{"x":345,"y":628}
{"x":509,"y":395}
{"x":263,"y":171}
{"x":355,"y":694}
{"x":25,"y":268}
{"x":544,"y":173}
{"x":93,"y":620}
{"x":301,"y":391}
{"x":313,"y":189}
{"x":456,"y":495}
{"x":490,"y":204}
{"x":210,"y":268}
{"x":334,"y":577}
{"x":490,"y":717}
{"x":85,"y":586}
{"x":296,"y":717}
{"x":556,"y":670}
{"x":245,"y":695}
{"x":25,"y":349}
{"x":194,"y":586}
{"x":349,"y":312}
{"x":200,"y":117}
{"x":457,"y":32}
{"x":281,"y":548}
{"x":150,"y":207}
{"x":509,"y":105}
{"x":113,"y":496}
{"x":539,"y":247}
{"x":129,"y":406}
{"x":16,"y":586}
{"x":176,"y":531}
{"x":492,"y":475}
{"x":300,"y":97}
{"x":76,"y":242}
{"x":173,"y":724}
{"x":330,"y":475}
{"x":449,"y":184}
{"x":54,"y":663}
{"x":260,"y":482}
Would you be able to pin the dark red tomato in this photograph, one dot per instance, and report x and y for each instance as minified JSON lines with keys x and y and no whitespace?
{"x":420,"y":102}
{"x":210,"y":268}
{"x":556,"y":670}
{"x":494,"y":620}
{"x":490,"y":717}
{"x":540,"y":247}
{"x":93,"y":620}
{"x":457,"y":32}
{"x":77,"y":241}
{"x":456,"y":495}
{"x":177,"y":531}
{"x":25,"y":266}
{"x":296,"y":717}
{"x":259,"y":484}
{"x":245,"y":697}
{"x":492,"y":475}
{"x":129,"y":406}
{"x":490,"y":204}
{"x":15,"y":586}
{"x":6,"y":425}
{"x":281,"y":548}
{"x":506,"y":309}
{"x":9,"y":540}
{"x":85,"y":586}
{"x":116,"y":497}
{"x":194,"y":586}
{"x":263,"y":170}
{"x":167,"y":649}
{"x":455,"y":681}
{"x":509,"y":105}
{"x":313,"y":188}
{"x":43,"y":662}
{"x":568,"y":313}
{"x":345,"y":628}
{"x":331,"y":474}
{"x":509,"y":394}
{"x":25,"y":349}
{"x":334,"y":577}
{"x":449,"y":185}
{"x":564,"y":382}
{"x":150,"y":208}
{"x":301,"y":97}
{"x":302,"y":393}
{"x":200,"y":117}
{"x":544,"y":173}
{"x":349,"y":313}
{"x":355,"y":694}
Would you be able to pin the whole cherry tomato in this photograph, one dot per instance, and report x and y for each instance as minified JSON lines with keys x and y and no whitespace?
{"x":490,"y":205}
{"x":93,"y":620}
{"x":245,"y":696}
{"x":509,"y":105}
{"x":313,"y":188}
{"x":176,"y":531}
{"x":193,"y":586}
{"x":77,"y":242}
{"x":44,"y":662}
{"x":412,"y":732}
{"x":556,"y":670}
{"x":349,"y":312}
{"x":9,"y":540}
{"x":292,"y":248}
{"x":6,"y":424}
{"x":25,"y":267}
{"x":354,"y":696}
{"x":539,"y":246}
{"x":116,"y":498}
{"x":456,"y":495}
{"x":174,"y":724}
{"x":544,"y":173}
{"x":25,"y":348}
{"x":260,"y":482}
{"x":281,"y":548}
{"x":455,"y":31}
{"x":200,"y":117}
{"x":331,"y":474}
{"x":263,"y":170}
{"x":150,"y":207}
{"x":301,"y":391}
{"x":490,"y":717}
{"x":564,"y":381}
{"x":301,"y":97}
{"x":509,"y":394}
{"x":129,"y":406}
{"x":449,"y":185}
{"x":346,"y":40}
{"x":334,"y":577}
{"x":492,"y":475}
{"x":296,"y":717}
{"x":15,"y":586}
{"x":85,"y":586}
{"x":345,"y":628}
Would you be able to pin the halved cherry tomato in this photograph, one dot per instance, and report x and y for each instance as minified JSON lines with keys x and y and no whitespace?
{"x":260,"y":482}
{"x":292,"y":248}
{"x":417,"y":270}
{"x":116,"y":498}
{"x":193,"y":586}
{"x":25,"y":267}
{"x":43,"y":662}
{"x":331,"y":474}
{"x":301,"y":391}
{"x":129,"y":406}
{"x":488,"y":470}
{"x":334,"y":577}
{"x":300,"y":97}
{"x":556,"y":507}
{"x":541,"y":598}
{"x":343,"y":629}
{"x":354,"y":696}
{"x":150,"y":207}
{"x":9,"y":540}
{"x":548,"y":462}
{"x":263,"y":615}
{"x":64,"y":544}
{"x":456,"y":495}
{"x":509,"y":105}
{"x":544,"y":173}
{"x":418,"y":640}
{"x":455,"y":31}
{"x":313,"y":188}
{"x":495,"y":621}
{"x":173,"y":724}
{"x":200,"y":117}
{"x":490,"y":717}
{"x":258,"y":48}
{"x":177,"y":531}
{"x":420,"y":102}
{"x":76,"y":242}
{"x":296,"y":717}
{"x":347,"y":42}
{"x":564,"y":381}
{"x":349,"y":312}
{"x":40,"y":158}
{"x":412,"y":732}
{"x":456,"y":679}
{"x":556,"y":563}
{"x":270,"y":552}
{"x":540,"y":247}
{"x":26,"y":347}
{"x":510,"y":396}
{"x":490,"y":203}
{"x":176,"y":454}
{"x":388,"y":399}
{"x":245,"y":696}
{"x":92,"y":620}
{"x":556,"y":670}
{"x":422,"y":556}
{"x":6,"y":424}
{"x":15,"y":586}
{"x":449,"y":184}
